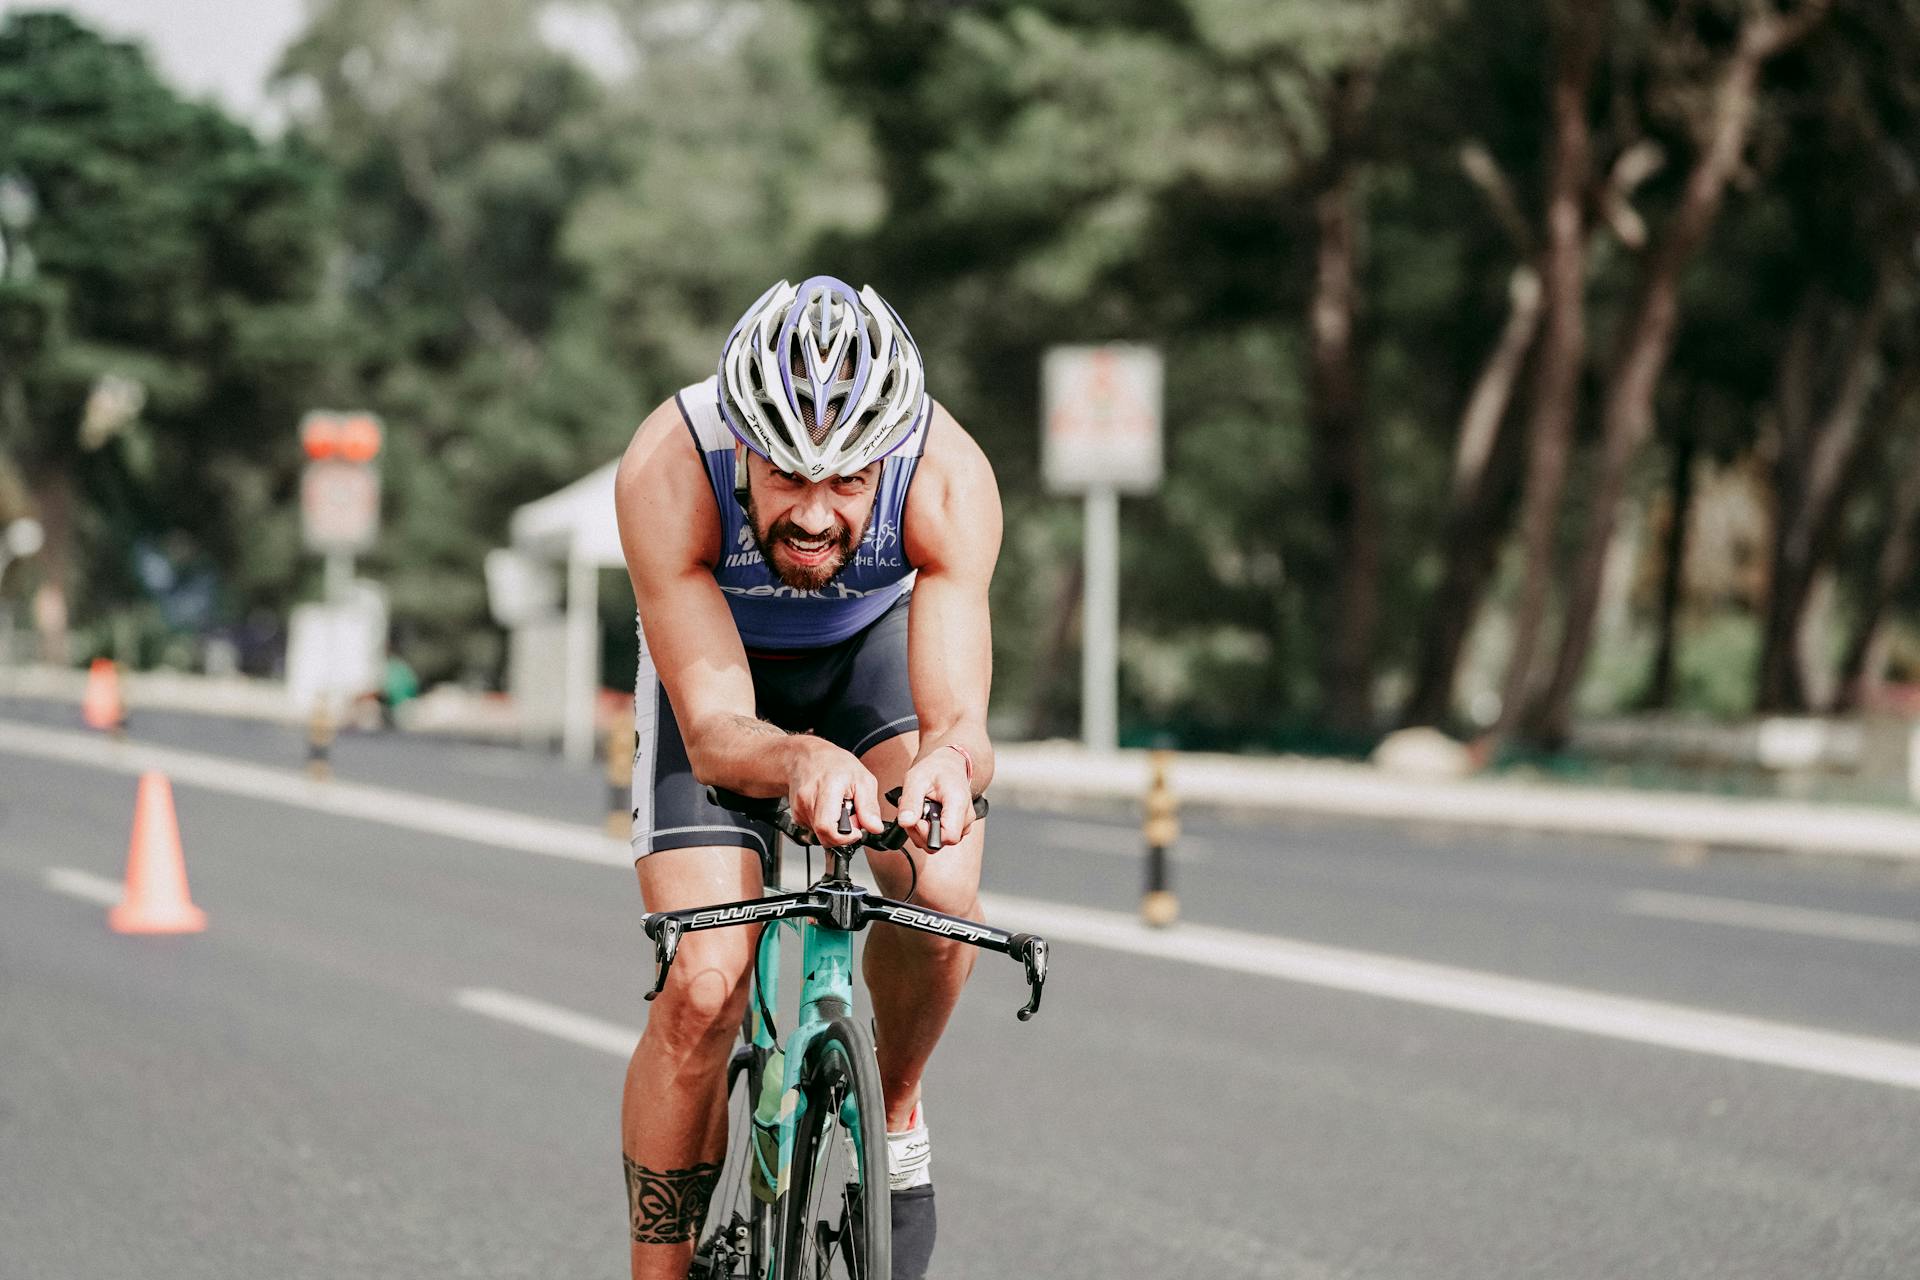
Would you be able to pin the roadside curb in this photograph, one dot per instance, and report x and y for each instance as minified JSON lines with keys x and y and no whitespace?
{"x":1059,"y":773}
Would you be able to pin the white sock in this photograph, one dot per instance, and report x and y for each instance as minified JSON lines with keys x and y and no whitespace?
{"x":910,"y":1154}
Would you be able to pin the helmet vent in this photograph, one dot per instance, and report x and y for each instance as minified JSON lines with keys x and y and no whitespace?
{"x":820,"y":424}
{"x":821,"y":378}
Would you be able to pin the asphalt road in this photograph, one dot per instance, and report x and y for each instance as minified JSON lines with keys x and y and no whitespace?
{"x":299,"y":1091}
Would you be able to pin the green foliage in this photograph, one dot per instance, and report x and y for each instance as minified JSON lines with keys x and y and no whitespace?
{"x":170,"y":246}
{"x":512,"y":258}
{"x":536,"y":257}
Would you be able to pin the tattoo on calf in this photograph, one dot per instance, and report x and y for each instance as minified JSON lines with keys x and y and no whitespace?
{"x":667,"y":1205}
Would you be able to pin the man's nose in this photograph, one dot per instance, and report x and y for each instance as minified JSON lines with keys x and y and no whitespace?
{"x":813,"y":512}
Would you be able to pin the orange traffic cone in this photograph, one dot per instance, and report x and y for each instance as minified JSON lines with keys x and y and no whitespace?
{"x":102,"y":708}
{"x":156,"y":899}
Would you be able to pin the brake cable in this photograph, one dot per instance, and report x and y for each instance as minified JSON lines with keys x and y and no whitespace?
{"x":759,"y":990}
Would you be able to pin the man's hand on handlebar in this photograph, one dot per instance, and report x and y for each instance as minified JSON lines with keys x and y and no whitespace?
{"x":818,"y":787}
{"x":942,"y":778}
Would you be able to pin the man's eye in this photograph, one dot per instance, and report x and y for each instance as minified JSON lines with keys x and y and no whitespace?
{"x":787,"y":477}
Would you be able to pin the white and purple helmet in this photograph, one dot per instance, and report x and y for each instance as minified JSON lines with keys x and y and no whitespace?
{"x":820,"y":380}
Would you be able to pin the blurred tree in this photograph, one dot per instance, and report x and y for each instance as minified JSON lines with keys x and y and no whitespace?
{"x":462,"y":140}
{"x":537,"y":251}
{"x":1145,"y":170}
{"x":729,"y":168}
{"x":1854,"y":324}
{"x":1579,"y":38}
{"x":156,"y":332}
{"x":1892,"y":568}
{"x":1713,"y":90}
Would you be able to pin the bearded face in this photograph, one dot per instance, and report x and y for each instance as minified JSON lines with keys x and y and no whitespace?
{"x":807,"y":530}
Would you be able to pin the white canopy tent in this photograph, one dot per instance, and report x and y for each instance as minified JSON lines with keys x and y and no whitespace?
{"x":573,"y":527}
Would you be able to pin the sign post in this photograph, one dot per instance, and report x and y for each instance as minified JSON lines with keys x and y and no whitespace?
{"x":340,"y":492}
{"x":335,"y":647}
{"x":1102,"y":439}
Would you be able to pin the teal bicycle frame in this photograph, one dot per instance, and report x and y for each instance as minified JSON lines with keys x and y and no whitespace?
{"x":826,"y":915}
{"x":826,"y":992}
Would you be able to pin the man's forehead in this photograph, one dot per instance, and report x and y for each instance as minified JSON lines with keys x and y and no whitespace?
{"x":869,"y":472}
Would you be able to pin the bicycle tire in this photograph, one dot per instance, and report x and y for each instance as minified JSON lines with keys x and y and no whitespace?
{"x":734,"y":1211}
{"x":836,"y":1218}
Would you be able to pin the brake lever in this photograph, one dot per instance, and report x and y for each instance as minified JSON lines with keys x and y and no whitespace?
{"x":1033,"y":955}
{"x":932,"y":814}
{"x":665,"y":932}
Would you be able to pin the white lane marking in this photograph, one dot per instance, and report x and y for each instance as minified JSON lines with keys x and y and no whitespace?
{"x":1413,"y":981}
{"x":84,"y":885}
{"x":550,"y":1019}
{"x":1767,"y":915}
{"x":1118,"y":842}
{"x":473,"y":823}
{"x":1543,"y":1004}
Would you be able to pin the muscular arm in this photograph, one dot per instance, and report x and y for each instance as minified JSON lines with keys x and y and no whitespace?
{"x":952,"y":532}
{"x":670,"y":535}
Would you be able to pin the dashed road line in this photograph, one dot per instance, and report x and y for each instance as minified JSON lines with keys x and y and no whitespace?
{"x":84,"y":885}
{"x":1767,"y":915}
{"x":549,"y":1019}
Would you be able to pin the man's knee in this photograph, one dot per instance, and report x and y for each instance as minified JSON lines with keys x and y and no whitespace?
{"x":699,"y":1011}
{"x":931,"y":952}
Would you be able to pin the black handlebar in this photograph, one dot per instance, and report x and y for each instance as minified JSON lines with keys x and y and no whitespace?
{"x":776,"y":813}
{"x":835,"y":902}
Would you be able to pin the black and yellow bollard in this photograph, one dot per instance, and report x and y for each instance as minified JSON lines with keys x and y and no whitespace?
{"x":320,"y":740}
{"x":1158,"y":906}
{"x":620,"y":781}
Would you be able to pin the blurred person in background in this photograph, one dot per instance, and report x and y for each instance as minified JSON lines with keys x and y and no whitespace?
{"x":810,"y":538}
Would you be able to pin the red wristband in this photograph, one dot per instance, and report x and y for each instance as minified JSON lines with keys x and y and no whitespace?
{"x":966,"y":756}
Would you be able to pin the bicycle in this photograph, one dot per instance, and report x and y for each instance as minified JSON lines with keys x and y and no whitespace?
{"x":807,"y":1126}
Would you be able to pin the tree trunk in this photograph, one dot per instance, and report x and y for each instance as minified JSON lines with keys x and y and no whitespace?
{"x":1809,"y":482}
{"x":1647,"y":342}
{"x":1342,"y":450}
{"x":1673,"y":569}
{"x":1858,"y":674}
{"x":1791,"y":430}
{"x":52,"y":490}
{"x":1485,"y":464}
{"x":1556,"y":383}
{"x":1046,"y":673}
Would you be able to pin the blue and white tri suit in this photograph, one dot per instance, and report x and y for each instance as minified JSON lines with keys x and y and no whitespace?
{"x":831,"y":662}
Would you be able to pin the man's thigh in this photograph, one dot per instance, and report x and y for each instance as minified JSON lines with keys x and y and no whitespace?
{"x":711,"y":963}
{"x":949,"y":880}
{"x":699,"y":876}
{"x":671,"y":811}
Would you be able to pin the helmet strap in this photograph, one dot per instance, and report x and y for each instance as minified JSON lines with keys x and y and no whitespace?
{"x":740,"y":456}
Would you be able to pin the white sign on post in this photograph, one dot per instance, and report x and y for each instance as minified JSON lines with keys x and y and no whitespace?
{"x":1102,"y":438}
{"x":1102,"y":408}
{"x":340,"y":506}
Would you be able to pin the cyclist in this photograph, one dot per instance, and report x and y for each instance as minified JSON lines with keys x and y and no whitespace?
{"x":810,"y":537}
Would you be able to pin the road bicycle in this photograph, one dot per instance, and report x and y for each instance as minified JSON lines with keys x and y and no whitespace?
{"x":803,"y":1193}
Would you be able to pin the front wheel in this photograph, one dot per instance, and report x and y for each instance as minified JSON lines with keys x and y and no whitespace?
{"x":736,"y":1241}
{"x":836,"y":1223}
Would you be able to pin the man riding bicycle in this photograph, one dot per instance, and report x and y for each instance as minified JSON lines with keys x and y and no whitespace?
{"x":810,"y":538}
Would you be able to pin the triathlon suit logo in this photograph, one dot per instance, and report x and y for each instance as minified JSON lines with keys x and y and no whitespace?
{"x":745,"y":550}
